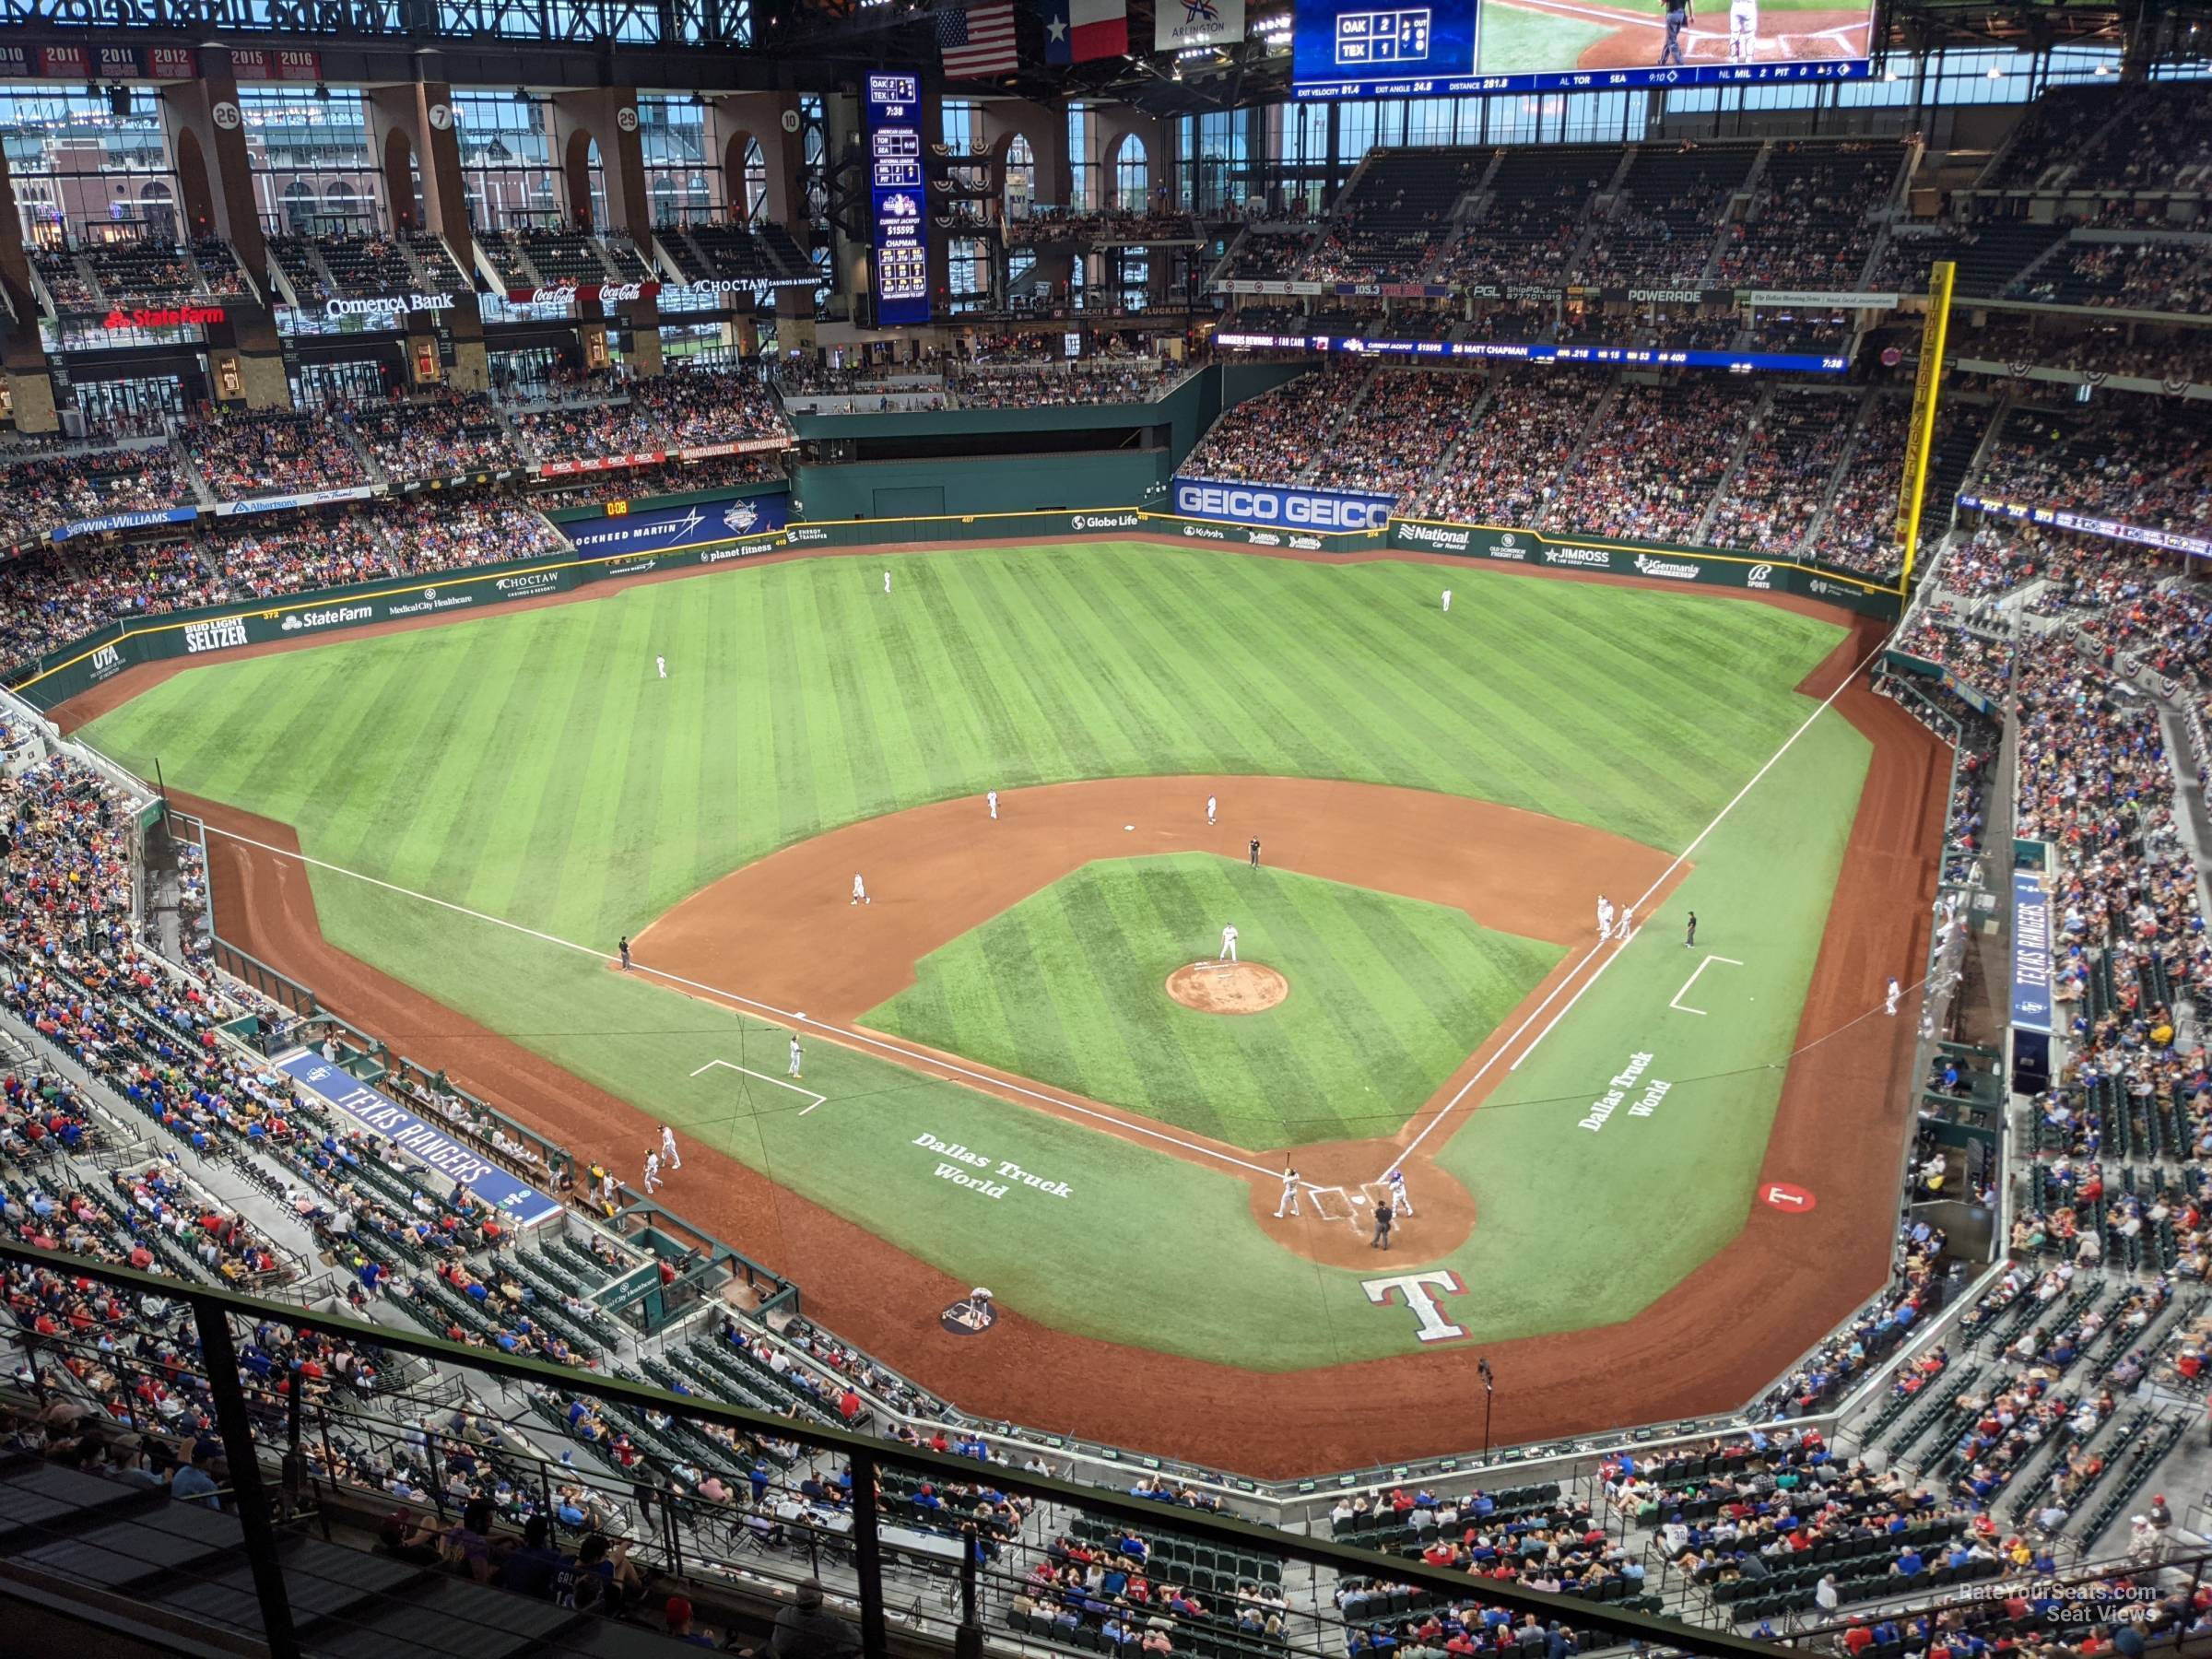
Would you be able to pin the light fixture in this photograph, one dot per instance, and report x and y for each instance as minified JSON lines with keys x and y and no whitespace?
{"x":322,"y":91}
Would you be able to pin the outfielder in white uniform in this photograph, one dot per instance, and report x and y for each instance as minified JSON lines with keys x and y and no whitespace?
{"x":1890,"y":1003}
{"x":1743,"y":31}
{"x":860,"y":890}
{"x":669,"y":1156}
{"x":1399,"y":1204}
{"x":1209,"y":809}
{"x":1447,"y":601}
{"x":1287,"y":1203}
{"x":1605,"y":917}
{"x":662,"y":664}
{"x":653,"y":1172}
{"x":887,"y":581}
{"x":1229,"y":944}
{"x":798,"y":1058}
{"x":992,"y":797}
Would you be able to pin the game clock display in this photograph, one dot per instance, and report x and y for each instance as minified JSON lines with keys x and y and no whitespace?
{"x":1450,"y":48}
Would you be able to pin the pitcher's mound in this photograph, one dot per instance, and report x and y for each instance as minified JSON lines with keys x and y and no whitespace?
{"x":1227,"y":987}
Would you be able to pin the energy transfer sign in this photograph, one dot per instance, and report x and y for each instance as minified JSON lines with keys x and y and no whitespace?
{"x":378,"y":1112}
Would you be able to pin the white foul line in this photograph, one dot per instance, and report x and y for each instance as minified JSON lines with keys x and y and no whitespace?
{"x":1676,"y":1003}
{"x":779,"y":1082}
{"x":782,"y":1015}
{"x":1575,"y":998}
{"x":1825,"y":703}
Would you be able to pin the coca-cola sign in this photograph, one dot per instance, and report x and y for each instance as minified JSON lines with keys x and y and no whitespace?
{"x":572,"y":293}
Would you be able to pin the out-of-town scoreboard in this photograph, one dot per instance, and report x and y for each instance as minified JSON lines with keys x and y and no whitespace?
{"x":902,"y":247}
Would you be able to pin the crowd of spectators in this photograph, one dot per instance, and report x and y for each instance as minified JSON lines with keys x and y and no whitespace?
{"x":439,"y":435}
{"x":2139,"y":460}
{"x":241,"y":452}
{"x":1650,"y":465}
{"x":1505,"y":466}
{"x":45,"y":485}
{"x":1809,"y":227}
{"x":1858,"y":532}
{"x":1406,"y":421}
{"x":1783,"y":479}
{"x":1275,"y":437}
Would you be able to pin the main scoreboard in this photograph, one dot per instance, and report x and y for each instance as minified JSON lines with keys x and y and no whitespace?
{"x":1452,"y":48}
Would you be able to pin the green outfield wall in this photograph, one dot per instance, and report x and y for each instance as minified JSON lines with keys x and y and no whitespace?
{"x":984,"y":484}
{"x":99,"y":656}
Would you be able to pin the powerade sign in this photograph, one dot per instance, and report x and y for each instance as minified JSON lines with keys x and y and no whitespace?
{"x":667,"y":529}
{"x":1273,"y":505}
{"x":2031,"y":953}
{"x":378,"y":1112}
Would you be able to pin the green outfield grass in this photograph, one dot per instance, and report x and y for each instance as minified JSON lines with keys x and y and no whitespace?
{"x":1388,"y":996}
{"x":1517,"y":40}
{"x":532,"y":767}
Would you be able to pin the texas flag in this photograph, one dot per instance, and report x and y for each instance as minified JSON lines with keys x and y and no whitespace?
{"x":1078,"y":30}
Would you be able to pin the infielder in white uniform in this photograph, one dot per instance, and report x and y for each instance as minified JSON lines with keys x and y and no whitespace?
{"x":1399,"y":1204}
{"x":798,"y":1058}
{"x":1627,"y":923}
{"x":668,"y":1153}
{"x":1287,"y":1203}
{"x":860,"y":890}
{"x":653,"y":1172}
{"x":1209,"y":809}
{"x":1890,"y":1003}
{"x":1743,"y":31}
{"x":993,"y":798}
{"x":1229,"y":944}
{"x":1605,"y":917}
{"x":1447,"y":601}
{"x":662,"y":664}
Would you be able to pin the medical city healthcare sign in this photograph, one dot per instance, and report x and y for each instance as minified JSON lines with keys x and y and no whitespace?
{"x":1276,"y":506}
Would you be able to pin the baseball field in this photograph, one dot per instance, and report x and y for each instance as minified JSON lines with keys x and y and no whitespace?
{"x":997,"y":1087}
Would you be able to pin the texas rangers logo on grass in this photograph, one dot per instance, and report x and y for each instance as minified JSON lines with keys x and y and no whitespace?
{"x":1420,"y":1292}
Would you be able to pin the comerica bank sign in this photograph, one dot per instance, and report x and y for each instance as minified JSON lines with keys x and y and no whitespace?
{"x":1269,"y":504}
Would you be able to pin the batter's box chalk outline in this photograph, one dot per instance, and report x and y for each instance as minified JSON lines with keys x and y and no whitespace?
{"x":1676,"y":1003}
{"x":1326,"y":1210}
{"x":813,"y":1098}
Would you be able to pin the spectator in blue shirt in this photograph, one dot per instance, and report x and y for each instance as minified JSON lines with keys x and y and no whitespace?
{"x":193,"y":1484}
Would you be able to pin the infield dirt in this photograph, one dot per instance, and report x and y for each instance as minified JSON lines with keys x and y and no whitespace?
{"x":1713,"y":1341}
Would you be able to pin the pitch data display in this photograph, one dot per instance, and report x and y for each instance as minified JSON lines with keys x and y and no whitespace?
{"x":1443,"y":48}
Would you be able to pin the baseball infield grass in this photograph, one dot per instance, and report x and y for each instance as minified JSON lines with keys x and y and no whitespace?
{"x":533,"y":768}
{"x":1387,"y":996}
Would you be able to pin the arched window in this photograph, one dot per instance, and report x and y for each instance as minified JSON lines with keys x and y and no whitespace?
{"x":1132,"y":175}
{"x":299,"y":205}
{"x":1022,"y":177}
{"x":755,"y":179}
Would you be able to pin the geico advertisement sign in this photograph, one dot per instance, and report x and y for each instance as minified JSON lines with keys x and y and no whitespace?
{"x":1304,"y":509}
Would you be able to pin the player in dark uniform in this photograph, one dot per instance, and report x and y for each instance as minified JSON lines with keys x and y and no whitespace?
{"x":1255,"y":851}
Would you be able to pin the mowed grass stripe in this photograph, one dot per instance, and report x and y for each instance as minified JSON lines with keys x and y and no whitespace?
{"x":468,"y":837}
{"x":960,"y":614}
{"x":1086,"y":720}
{"x":550,"y":833}
{"x":374,"y":771}
{"x":1261,"y":1063}
{"x":1257,"y":711}
{"x":1069,"y":988}
{"x":1197,"y":720}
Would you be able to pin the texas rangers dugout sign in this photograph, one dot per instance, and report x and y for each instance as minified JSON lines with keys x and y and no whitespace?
{"x":1274,"y":506}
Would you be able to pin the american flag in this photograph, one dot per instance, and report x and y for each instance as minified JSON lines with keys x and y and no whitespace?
{"x":977,"y":41}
